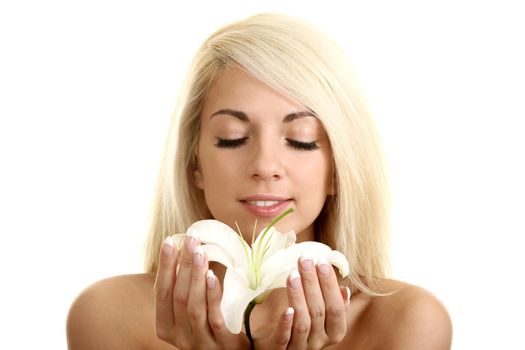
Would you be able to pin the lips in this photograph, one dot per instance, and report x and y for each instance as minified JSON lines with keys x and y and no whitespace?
{"x":266,"y":206}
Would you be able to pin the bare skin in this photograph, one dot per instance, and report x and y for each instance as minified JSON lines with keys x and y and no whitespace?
{"x":119,"y":313}
{"x":276,"y":151}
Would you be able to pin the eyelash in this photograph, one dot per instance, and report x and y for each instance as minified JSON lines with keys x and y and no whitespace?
{"x":303,"y":146}
{"x":231,"y":143}
{"x":236,"y":143}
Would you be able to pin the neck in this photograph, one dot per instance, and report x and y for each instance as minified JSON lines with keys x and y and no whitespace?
{"x":306,"y":235}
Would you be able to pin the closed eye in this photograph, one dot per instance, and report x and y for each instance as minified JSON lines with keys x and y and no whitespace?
{"x":236,"y":143}
{"x":303,"y":146}
{"x":231,"y":143}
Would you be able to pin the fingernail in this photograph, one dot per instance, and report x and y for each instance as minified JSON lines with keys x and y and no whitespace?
{"x":289,"y":314}
{"x":192,"y":240}
{"x":322,"y":264}
{"x":295,"y":279}
{"x":210,"y":279}
{"x":198,"y":256}
{"x":306,"y":262}
{"x":347,"y":294}
{"x":167,"y":246}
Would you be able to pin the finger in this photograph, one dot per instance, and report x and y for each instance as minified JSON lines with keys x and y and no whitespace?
{"x":182,"y":287}
{"x":197,"y":309}
{"x":283,"y":330}
{"x":314,"y":298}
{"x":301,"y":321}
{"x":335,"y":320}
{"x":166,"y":275}
{"x":215,"y":317}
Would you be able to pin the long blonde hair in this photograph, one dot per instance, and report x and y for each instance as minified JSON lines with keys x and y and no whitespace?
{"x":295,"y":59}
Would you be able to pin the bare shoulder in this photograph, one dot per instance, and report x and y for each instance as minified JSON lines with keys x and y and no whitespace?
{"x":410,"y":318}
{"x":112,"y":314}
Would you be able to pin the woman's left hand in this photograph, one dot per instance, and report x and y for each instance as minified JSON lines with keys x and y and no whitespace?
{"x":319,"y":304}
{"x":320,"y":307}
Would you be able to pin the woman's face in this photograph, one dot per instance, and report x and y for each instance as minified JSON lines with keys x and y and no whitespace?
{"x":259,"y":153}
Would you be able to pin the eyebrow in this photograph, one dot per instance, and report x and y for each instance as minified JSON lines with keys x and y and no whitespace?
{"x":244,"y":117}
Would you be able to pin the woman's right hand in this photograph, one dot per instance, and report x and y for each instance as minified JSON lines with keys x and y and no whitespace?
{"x":187,"y":301}
{"x":187,"y":304}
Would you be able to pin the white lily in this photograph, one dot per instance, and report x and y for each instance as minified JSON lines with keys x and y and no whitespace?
{"x":251,"y":271}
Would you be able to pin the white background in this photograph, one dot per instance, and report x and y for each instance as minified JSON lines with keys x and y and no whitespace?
{"x":87,"y":90}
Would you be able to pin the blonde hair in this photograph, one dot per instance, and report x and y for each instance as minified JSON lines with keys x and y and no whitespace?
{"x":296,"y":59}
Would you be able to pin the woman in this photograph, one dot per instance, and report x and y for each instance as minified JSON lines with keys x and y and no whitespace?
{"x":270,"y":118}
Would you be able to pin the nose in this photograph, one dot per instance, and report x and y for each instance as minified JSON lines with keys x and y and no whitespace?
{"x":266,"y":162}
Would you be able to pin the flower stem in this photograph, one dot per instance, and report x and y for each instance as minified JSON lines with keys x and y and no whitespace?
{"x":247,"y":314}
{"x":277,"y":219}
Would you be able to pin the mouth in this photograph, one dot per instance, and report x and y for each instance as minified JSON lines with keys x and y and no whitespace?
{"x":263,"y":204}
{"x":266,"y":206}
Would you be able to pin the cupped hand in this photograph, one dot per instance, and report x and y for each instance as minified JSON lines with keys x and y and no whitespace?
{"x":187,"y":301}
{"x":317,"y":314}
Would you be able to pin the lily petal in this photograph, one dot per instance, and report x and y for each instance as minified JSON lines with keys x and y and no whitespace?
{"x":274,"y":241}
{"x":178,"y":240}
{"x":215,"y":253}
{"x":216,"y":233}
{"x":317,"y":250}
{"x":337,"y":259}
{"x":236,"y":297}
{"x":278,"y":267}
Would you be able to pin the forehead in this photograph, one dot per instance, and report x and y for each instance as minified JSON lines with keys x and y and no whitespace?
{"x":235,"y":89}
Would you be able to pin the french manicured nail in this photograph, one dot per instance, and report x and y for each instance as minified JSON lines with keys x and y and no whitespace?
{"x":167,"y":246}
{"x":191,"y":240}
{"x":306,"y":262}
{"x":324,"y":269}
{"x":295,"y":279}
{"x":289,"y":314}
{"x":211,"y":280}
{"x":198,"y":256}
{"x":347,"y":294}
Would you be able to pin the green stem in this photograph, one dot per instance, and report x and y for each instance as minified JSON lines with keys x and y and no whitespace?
{"x":276,"y":220}
{"x":247,"y":314}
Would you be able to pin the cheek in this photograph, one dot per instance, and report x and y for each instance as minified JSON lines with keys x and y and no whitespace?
{"x":218,"y":169}
{"x":312,"y":171}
